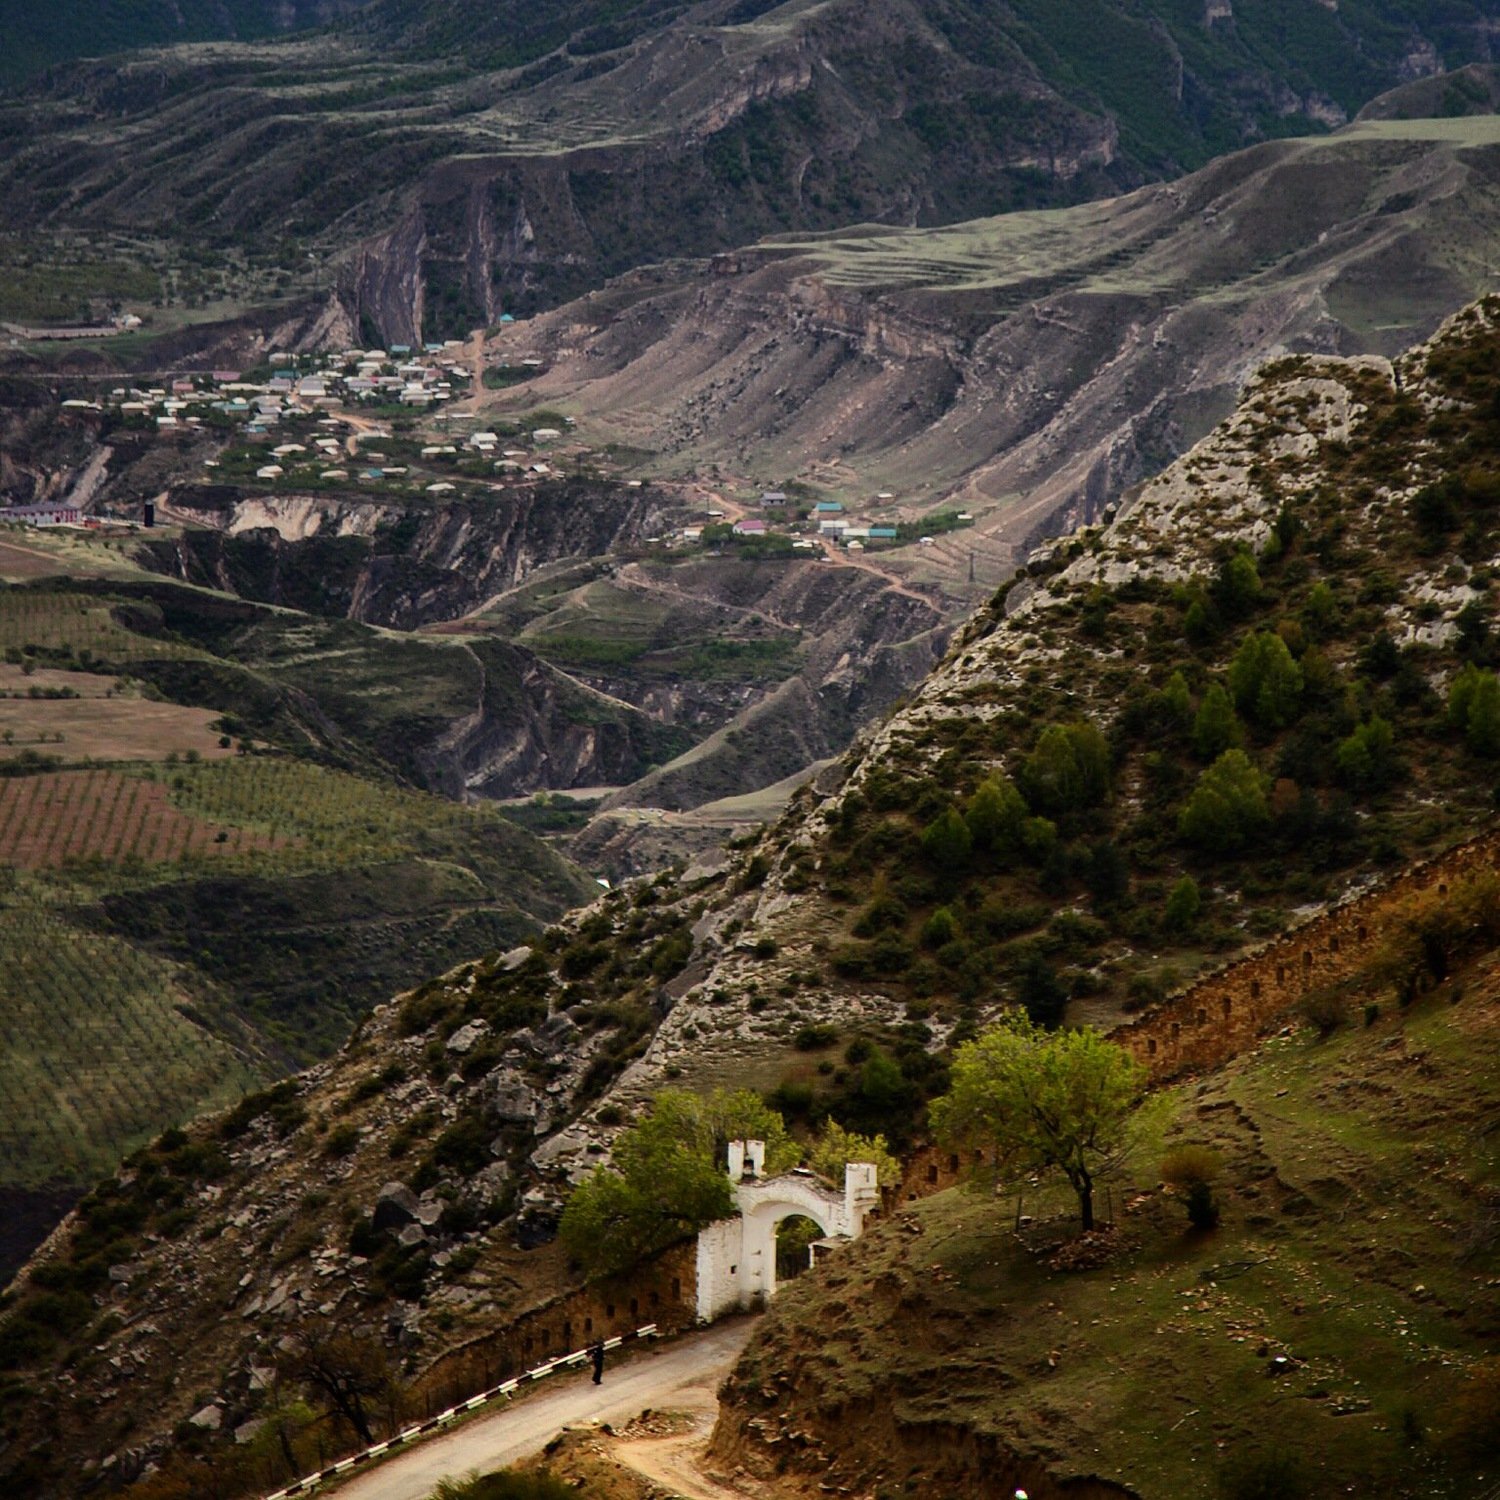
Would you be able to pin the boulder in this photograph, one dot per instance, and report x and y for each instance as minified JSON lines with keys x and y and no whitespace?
{"x":465,"y":1037}
{"x":510,"y":962}
{"x":554,"y":1035}
{"x":514,"y":1101}
{"x":413,"y":1234}
{"x":208,"y":1418}
{"x":397,"y":1205}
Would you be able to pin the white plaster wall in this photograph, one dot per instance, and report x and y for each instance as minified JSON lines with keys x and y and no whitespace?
{"x":720,"y":1254}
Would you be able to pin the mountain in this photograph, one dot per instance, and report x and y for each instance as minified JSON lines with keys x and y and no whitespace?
{"x":1268,"y":682}
{"x":441,"y":164}
{"x":38,"y":36}
{"x":1030,"y":367}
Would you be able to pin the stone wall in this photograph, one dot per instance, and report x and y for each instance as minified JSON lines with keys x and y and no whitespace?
{"x":662,"y":1291}
{"x":1225,"y":1013}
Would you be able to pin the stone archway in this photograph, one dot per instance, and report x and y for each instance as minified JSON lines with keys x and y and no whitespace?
{"x":737,"y":1257}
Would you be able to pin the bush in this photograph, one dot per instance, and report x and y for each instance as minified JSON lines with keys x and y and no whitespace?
{"x":1183,"y":906}
{"x":1191,"y":1170}
{"x":940,"y":928}
{"x":1326,"y":1010}
{"x":814,"y":1038}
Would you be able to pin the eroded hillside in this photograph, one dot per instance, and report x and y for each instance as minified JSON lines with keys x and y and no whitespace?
{"x":1031,"y":367}
{"x":1268,"y":681}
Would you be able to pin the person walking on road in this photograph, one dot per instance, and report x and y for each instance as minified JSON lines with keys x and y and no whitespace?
{"x":596,"y":1353}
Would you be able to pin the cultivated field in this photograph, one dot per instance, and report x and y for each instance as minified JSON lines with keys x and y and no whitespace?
{"x":76,"y":625}
{"x":99,"y":1046}
{"x":53,"y":819}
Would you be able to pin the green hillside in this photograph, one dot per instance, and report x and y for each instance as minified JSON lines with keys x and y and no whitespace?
{"x":1329,"y":1337}
{"x":187,"y":922}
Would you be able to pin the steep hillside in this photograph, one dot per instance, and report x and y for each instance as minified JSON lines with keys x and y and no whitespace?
{"x":1029,"y":367}
{"x":1328,"y":1337}
{"x":483,"y":158}
{"x":38,"y":36}
{"x":1271,"y":679}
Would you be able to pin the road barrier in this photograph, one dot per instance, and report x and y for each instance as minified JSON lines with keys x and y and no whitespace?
{"x":506,"y":1389}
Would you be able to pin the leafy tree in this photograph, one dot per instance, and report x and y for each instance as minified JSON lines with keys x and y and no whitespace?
{"x":1367,"y":758}
{"x":941,"y":927}
{"x":995,"y":815}
{"x":1183,"y":905}
{"x":1040,"y":992}
{"x":1474,"y":709}
{"x":946,"y":841}
{"x":1227,"y":810}
{"x":1174,"y":704}
{"x":1038,"y":1101}
{"x":1237,"y":585}
{"x":1265,"y":681}
{"x":1320,"y":613}
{"x":1216,"y":727}
{"x":836,"y":1147}
{"x":668,"y":1178}
{"x":1068,"y":770}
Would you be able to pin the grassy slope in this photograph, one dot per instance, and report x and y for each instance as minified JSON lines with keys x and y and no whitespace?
{"x":187,"y":930}
{"x":1353,"y":1242}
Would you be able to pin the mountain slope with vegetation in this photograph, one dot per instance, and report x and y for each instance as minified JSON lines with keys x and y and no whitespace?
{"x":1326,"y":1329}
{"x":1269,"y":680}
{"x":443,"y":164}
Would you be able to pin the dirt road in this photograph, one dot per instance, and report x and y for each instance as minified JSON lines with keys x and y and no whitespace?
{"x":658,"y":1378}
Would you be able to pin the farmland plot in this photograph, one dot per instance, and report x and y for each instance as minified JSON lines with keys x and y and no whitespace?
{"x":100,"y":1045}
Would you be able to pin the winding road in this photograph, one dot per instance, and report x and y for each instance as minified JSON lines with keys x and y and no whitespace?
{"x":663,"y":1377}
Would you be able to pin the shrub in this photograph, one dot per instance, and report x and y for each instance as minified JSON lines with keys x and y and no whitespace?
{"x":1191,"y":1171}
{"x":940,"y":928}
{"x":1183,"y":905}
{"x":1325,"y":1009}
{"x":813,"y":1038}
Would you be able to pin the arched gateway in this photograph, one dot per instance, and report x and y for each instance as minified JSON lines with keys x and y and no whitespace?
{"x":737,"y":1257}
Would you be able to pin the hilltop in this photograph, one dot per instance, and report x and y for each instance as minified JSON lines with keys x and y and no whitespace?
{"x":1268,"y":681}
{"x":442,"y":164}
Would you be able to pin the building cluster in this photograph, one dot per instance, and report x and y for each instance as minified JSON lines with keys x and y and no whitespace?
{"x":397,"y":376}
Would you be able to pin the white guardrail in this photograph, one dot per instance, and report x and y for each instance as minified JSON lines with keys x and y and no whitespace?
{"x":505,"y":1389}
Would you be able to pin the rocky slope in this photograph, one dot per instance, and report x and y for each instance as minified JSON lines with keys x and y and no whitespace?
{"x":1231,"y":704}
{"x":456,"y":163}
{"x":1033,"y":366}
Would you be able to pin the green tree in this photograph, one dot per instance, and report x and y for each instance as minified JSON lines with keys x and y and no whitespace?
{"x":946,"y":841}
{"x":668,"y":1178}
{"x":1174,"y":704}
{"x":1237,"y":585}
{"x":995,"y":816}
{"x":1265,"y":681}
{"x":1367,"y":757}
{"x":836,"y":1147}
{"x":1183,"y":905}
{"x":1474,"y":709}
{"x":1216,"y":727}
{"x":1035,"y":1101}
{"x":1227,"y":809}
{"x":1068,"y":770}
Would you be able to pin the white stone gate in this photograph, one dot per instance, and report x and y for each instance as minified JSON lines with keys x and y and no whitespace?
{"x":737,"y":1257}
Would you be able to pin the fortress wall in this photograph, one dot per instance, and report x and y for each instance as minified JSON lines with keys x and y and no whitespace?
{"x":1224,"y":1013}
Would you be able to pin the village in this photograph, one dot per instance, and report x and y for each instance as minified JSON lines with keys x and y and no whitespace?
{"x":403,"y":424}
